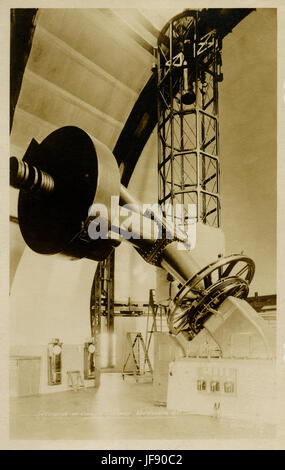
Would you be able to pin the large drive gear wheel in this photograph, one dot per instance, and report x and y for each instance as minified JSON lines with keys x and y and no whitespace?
{"x":201,"y":295}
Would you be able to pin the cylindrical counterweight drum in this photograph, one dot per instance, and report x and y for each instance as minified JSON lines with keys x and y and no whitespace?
{"x":78,"y":170}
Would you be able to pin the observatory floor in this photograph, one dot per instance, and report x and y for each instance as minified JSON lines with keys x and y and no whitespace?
{"x":118,"y":410}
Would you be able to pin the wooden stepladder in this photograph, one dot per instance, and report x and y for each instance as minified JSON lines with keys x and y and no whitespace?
{"x":137,"y":358}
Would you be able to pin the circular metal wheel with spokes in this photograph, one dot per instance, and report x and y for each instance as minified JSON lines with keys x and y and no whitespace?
{"x":203,"y":293}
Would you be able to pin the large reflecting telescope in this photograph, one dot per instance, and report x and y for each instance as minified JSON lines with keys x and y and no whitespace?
{"x":61,"y":178}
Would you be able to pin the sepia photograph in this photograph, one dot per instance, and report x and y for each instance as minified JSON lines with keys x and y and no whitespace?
{"x":142,"y":199}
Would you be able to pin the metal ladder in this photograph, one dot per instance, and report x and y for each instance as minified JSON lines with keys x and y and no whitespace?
{"x":156,"y":313}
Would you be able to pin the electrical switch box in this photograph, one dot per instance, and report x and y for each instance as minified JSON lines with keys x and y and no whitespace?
{"x":217,"y":380}
{"x":89,"y":360}
{"x":54,"y":362}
